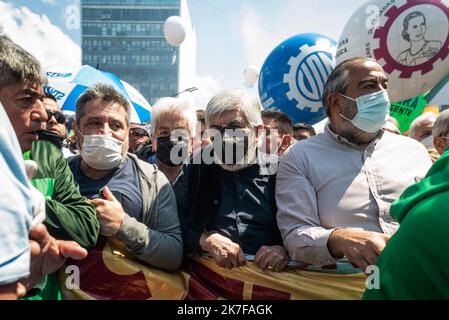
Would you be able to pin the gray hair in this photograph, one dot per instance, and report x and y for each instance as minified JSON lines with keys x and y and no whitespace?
{"x":17,"y":65}
{"x":338,"y":81}
{"x":227,"y":100}
{"x":441,"y":125}
{"x":170,"y":105}
{"x":105,"y":93}
{"x":421,"y":122}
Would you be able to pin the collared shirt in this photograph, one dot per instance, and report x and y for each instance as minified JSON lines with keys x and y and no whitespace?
{"x":325,"y":183}
{"x":246,"y":212}
{"x":244,"y":207}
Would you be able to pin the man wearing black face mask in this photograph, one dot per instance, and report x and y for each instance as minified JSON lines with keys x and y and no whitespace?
{"x":226,"y":200}
{"x":54,"y":130}
{"x":173,"y":128}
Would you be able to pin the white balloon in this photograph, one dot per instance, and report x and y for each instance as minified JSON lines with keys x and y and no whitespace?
{"x":250,"y":76}
{"x":410,"y":39}
{"x":174,"y":30}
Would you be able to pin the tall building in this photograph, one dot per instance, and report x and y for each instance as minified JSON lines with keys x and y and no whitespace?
{"x":126,"y":37}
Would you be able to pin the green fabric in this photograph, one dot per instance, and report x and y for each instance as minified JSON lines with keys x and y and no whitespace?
{"x":51,"y":291}
{"x":46,"y":186}
{"x":415,"y":262}
{"x":68,"y":214}
{"x":407,"y":111}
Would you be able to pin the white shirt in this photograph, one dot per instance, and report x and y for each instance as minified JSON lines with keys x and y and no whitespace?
{"x":325,"y":183}
{"x":16,"y":207}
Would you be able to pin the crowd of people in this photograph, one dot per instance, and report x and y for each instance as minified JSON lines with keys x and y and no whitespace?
{"x":230,"y":181}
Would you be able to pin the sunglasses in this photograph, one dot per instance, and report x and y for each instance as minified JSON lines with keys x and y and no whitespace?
{"x":138,"y":132}
{"x":59,"y":116}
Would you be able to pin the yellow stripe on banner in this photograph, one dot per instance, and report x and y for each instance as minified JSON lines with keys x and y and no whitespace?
{"x":110,"y":273}
{"x":298,"y":284}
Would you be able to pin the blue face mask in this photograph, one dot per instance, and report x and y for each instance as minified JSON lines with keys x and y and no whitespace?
{"x":373,"y":111}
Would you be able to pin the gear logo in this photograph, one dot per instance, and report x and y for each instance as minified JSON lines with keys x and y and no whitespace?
{"x":392,"y":64}
{"x":308,"y":74}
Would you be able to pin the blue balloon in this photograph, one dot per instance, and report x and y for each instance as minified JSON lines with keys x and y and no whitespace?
{"x":293,"y":76}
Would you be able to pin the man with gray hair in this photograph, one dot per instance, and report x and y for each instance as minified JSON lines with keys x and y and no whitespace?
{"x":68,"y":215}
{"x":421,"y":130}
{"x":173,"y":128}
{"x":227,"y":207}
{"x":334,"y":190}
{"x":134,"y":201}
{"x":440,"y":132}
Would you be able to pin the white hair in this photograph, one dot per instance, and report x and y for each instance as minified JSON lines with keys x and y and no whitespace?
{"x":173,"y":106}
{"x":227,"y":100}
{"x":441,"y":125}
{"x":421,"y":122}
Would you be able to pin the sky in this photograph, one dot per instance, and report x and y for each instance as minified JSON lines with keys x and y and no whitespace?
{"x":231,"y":34}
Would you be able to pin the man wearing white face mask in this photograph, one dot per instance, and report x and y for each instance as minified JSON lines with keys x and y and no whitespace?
{"x":334,"y":190}
{"x":134,"y":201}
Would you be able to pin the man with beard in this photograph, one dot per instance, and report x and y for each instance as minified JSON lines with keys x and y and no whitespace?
{"x":226,"y":204}
{"x":334,"y":190}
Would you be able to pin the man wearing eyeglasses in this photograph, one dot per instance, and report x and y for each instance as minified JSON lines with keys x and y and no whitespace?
{"x":440,"y":132}
{"x":138,"y":136}
{"x":54,"y":130}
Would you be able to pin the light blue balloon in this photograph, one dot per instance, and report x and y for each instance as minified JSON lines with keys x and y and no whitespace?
{"x":293,"y":76}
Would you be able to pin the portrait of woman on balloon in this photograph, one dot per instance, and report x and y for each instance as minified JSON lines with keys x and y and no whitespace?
{"x":421,"y":49}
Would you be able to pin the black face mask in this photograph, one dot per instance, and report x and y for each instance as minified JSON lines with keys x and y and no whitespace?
{"x":164,"y":149}
{"x":54,"y":138}
{"x":235,"y":144}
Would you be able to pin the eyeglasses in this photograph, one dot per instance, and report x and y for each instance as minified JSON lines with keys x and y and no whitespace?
{"x":139,"y":132}
{"x":59,"y":116}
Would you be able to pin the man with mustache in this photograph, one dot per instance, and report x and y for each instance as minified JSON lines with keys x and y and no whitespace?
{"x":68,"y":215}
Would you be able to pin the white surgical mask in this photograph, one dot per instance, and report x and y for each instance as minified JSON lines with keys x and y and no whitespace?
{"x":101,"y":152}
{"x":373,"y":111}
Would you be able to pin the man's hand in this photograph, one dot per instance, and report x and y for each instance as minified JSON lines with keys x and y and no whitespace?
{"x":273,"y":258}
{"x":226,"y":253}
{"x":48,"y":254}
{"x":110,"y":213}
{"x":360,"y":247}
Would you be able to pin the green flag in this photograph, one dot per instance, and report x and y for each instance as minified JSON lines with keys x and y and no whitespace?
{"x":408,"y":110}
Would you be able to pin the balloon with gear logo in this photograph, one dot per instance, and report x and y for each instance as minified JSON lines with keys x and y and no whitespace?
{"x":293,"y":76}
{"x":409,"y":38}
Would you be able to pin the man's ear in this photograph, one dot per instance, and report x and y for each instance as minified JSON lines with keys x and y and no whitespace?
{"x":77,"y":135}
{"x":286,"y":141}
{"x":335,"y":103}
{"x":259,"y":127}
{"x":75,"y":129}
{"x":153,"y":144}
{"x":439,"y":144}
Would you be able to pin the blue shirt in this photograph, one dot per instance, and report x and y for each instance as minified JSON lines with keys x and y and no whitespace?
{"x":16,"y":207}
{"x":123,"y":182}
